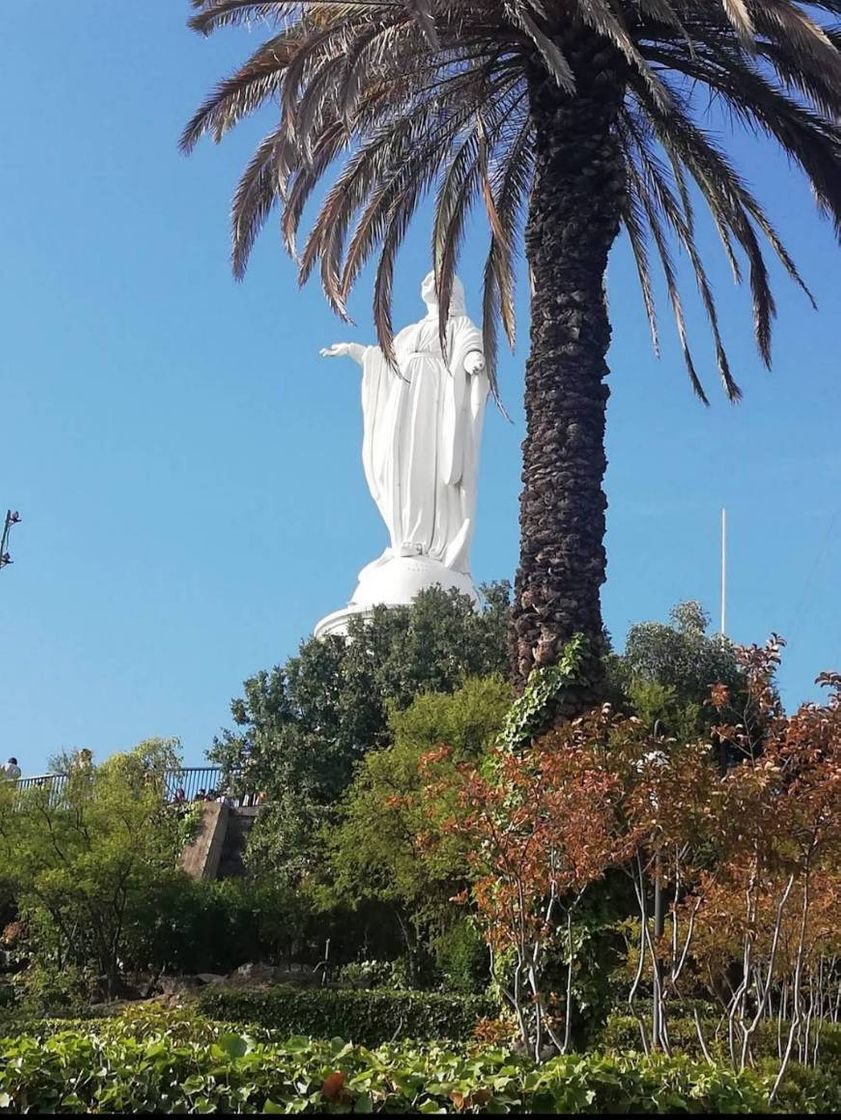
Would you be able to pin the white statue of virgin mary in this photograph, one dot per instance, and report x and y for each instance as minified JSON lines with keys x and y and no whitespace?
{"x":420,"y":452}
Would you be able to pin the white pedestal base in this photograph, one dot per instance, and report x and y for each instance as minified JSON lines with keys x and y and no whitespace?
{"x":394,"y":581}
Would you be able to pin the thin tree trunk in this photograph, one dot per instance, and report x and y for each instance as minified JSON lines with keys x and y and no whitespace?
{"x":568,"y":1014}
{"x":574,"y":216}
{"x":639,"y":888}
{"x":796,"y":1010}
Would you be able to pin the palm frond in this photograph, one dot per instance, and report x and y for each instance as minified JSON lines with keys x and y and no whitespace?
{"x":244,"y":92}
{"x":661,"y":243}
{"x":635,"y":226}
{"x":509,"y":187}
{"x":382,"y":102}
{"x":214,"y":14}
{"x":423,"y":14}
{"x":739,"y":14}
{"x":255,"y":198}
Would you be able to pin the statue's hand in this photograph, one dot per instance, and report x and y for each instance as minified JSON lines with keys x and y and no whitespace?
{"x":344,"y":350}
{"x":474,"y":362}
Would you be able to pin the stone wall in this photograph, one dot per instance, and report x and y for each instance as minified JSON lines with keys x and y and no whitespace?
{"x":217,"y":850}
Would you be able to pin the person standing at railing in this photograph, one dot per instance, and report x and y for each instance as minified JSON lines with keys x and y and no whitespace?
{"x":83,"y":760}
{"x":243,"y":776}
{"x":10,"y":770}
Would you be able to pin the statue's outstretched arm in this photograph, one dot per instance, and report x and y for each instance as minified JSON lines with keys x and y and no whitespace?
{"x":344,"y":350}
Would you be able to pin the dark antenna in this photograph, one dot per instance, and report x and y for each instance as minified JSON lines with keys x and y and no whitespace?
{"x":12,"y":518}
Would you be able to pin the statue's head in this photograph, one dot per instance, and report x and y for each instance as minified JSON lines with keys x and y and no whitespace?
{"x":429,"y":295}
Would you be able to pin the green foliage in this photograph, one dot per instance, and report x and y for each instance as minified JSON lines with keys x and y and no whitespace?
{"x":805,"y":1090}
{"x":375,"y":850}
{"x":543,"y":695}
{"x":371,"y":974}
{"x":599,"y":954}
{"x":385,"y":846}
{"x":45,"y":989}
{"x":171,"y":1063}
{"x":667,"y":671}
{"x":129,"y":1020}
{"x":303,"y":728}
{"x":462,"y":957}
{"x":199,"y":926}
{"x":87,"y":868}
{"x":467,"y":720}
{"x":365,"y":1017}
{"x":622,"y":1032}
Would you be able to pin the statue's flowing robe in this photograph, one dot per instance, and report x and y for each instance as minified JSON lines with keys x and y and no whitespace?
{"x":423,"y":428}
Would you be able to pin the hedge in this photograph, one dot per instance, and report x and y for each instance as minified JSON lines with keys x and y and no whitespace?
{"x":365,"y":1017}
{"x":806,"y":1090}
{"x":15,"y":1020}
{"x":105,"y":1068}
{"x":621,"y":1032}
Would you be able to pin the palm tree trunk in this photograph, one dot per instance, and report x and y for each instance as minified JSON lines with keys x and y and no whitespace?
{"x":574,"y":215}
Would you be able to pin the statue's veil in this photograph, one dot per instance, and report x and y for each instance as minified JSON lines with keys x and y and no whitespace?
{"x":458,"y":300}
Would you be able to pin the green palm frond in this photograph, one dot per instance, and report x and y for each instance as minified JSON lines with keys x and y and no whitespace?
{"x":387,"y":102}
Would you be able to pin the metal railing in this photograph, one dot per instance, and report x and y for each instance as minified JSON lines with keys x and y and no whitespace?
{"x":55,"y":783}
{"x":42,"y":780}
{"x":193,"y":780}
{"x":190,"y":783}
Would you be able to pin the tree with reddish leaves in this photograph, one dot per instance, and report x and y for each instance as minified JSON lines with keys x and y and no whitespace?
{"x":735,"y":871}
{"x":541,"y":826}
{"x":773,"y":903}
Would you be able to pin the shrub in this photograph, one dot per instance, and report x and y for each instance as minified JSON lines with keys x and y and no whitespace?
{"x":46,"y":989}
{"x":462,"y":957}
{"x":200,"y":926}
{"x":130,"y":1020}
{"x":622,"y":1032}
{"x":365,"y":1017}
{"x":86,"y":867}
{"x":113,"y":1068}
{"x":805,"y":1090}
{"x":368,"y":974}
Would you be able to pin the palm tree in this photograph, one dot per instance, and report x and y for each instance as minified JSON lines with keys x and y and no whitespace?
{"x":565,"y":120}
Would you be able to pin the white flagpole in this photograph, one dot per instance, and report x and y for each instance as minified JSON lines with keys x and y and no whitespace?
{"x":723,"y":571}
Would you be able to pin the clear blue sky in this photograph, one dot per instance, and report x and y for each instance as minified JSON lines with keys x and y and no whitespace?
{"x":188,"y":468}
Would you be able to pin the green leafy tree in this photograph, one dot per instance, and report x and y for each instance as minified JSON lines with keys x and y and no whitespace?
{"x":377,"y":850}
{"x":387,"y":847}
{"x":303,"y":728}
{"x":579,"y":116}
{"x":214,"y":926}
{"x":87,"y":865}
{"x":667,"y":670}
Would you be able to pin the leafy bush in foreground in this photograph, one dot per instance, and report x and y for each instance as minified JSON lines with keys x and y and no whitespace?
{"x":366,"y":1017}
{"x":109,"y":1069}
